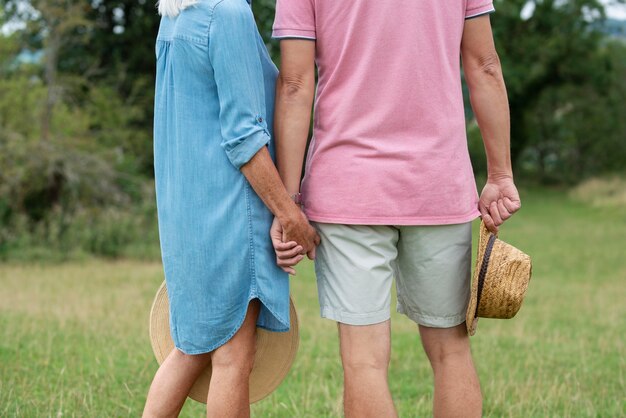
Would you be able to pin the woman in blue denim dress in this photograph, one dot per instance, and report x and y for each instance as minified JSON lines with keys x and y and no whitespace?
{"x":217,"y":188}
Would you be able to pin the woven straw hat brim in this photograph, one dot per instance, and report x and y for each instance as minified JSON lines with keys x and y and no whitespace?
{"x":505,"y":283}
{"x":471,"y":321}
{"x":275,"y":353}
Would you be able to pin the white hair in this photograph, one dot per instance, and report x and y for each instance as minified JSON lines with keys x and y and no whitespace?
{"x":171,"y":8}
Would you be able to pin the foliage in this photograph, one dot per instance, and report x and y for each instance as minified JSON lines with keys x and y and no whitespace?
{"x":601,"y":192}
{"x":264,"y":11}
{"x":562,"y":77}
{"x":73,"y":143}
{"x":76,"y":97}
{"x":52,"y":195}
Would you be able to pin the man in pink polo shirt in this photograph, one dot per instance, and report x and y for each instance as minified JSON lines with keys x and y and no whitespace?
{"x":388,"y":181}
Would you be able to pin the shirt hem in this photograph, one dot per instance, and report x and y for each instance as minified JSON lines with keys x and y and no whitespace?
{"x":418,"y":220}
{"x":480,"y":10}
{"x":279,"y":38}
{"x":293,"y":33}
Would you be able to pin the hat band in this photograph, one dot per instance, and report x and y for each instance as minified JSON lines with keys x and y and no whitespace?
{"x":483,"y":270}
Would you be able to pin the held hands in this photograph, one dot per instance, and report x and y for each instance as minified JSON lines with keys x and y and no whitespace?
{"x":292,"y":239}
{"x":498,"y":202}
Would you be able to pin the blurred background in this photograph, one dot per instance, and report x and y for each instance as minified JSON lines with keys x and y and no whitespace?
{"x":76,"y":95}
{"x":79,"y":254}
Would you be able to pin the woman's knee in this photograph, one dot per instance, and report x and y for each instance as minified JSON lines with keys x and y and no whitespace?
{"x":239,"y":365}
{"x":235,"y":356}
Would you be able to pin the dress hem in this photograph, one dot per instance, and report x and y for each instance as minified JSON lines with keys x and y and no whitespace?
{"x":238,"y":327}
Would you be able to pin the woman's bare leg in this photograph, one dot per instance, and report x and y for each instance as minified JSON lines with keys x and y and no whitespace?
{"x":172,"y":383}
{"x":229,"y":393}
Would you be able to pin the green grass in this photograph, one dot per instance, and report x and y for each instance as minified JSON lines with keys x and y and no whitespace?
{"x":74,"y":337}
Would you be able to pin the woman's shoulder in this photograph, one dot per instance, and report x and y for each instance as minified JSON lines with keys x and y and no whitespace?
{"x":197,"y":20}
{"x":230,"y":9}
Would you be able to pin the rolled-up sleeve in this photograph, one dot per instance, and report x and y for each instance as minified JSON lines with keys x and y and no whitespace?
{"x":234,"y":55}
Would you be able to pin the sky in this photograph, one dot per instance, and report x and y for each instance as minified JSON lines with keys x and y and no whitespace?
{"x":613,"y":11}
{"x":616,"y":12}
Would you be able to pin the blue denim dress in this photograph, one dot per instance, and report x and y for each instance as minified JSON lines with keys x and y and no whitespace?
{"x":213,"y":111}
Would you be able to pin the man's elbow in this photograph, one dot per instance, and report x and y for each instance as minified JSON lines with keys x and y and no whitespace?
{"x":490,"y":65}
{"x":295,"y":87}
{"x":487,"y":65}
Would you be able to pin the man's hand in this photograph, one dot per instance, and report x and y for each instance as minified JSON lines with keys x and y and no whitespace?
{"x":483,"y":72}
{"x":292,"y":240}
{"x":498,"y":202}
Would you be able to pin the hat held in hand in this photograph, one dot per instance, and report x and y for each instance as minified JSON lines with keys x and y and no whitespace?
{"x":500,"y":280}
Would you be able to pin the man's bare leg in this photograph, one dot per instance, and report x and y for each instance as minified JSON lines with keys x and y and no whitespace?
{"x":457,"y":389}
{"x":365,"y":352}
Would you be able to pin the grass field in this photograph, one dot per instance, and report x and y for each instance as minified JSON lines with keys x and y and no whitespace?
{"x":74,"y":337}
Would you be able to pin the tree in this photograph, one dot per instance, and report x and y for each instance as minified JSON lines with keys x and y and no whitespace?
{"x":555,"y":46}
{"x":74,"y":159}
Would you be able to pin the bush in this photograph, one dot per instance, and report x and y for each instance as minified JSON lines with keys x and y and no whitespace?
{"x":602,"y":192}
{"x":107,"y":232}
{"x":83,"y":189}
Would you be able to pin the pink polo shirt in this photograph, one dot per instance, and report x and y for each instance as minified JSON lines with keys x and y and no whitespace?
{"x":389,"y":144}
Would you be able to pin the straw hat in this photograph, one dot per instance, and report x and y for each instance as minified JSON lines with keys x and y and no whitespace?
{"x":500,"y":280}
{"x":274,"y":354}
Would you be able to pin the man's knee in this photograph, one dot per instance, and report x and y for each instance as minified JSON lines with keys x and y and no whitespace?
{"x":365,"y":348}
{"x":444,"y":345}
{"x":365,"y":361}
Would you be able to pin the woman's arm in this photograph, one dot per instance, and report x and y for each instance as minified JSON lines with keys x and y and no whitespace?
{"x":240,"y":85}
{"x":294,"y":226}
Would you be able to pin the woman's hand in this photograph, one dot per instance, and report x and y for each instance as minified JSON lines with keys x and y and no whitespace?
{"x":292,"y":227}
{"x":288,"y":254}
{"x":292,"y":239}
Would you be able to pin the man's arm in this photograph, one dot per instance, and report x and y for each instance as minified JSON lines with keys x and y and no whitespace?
{"x":294,"y":100}
{"x":499,"y":199}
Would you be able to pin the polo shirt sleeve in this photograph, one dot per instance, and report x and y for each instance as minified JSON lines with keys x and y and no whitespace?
{"x":477,"y":8}
{"x":295,"y":19}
